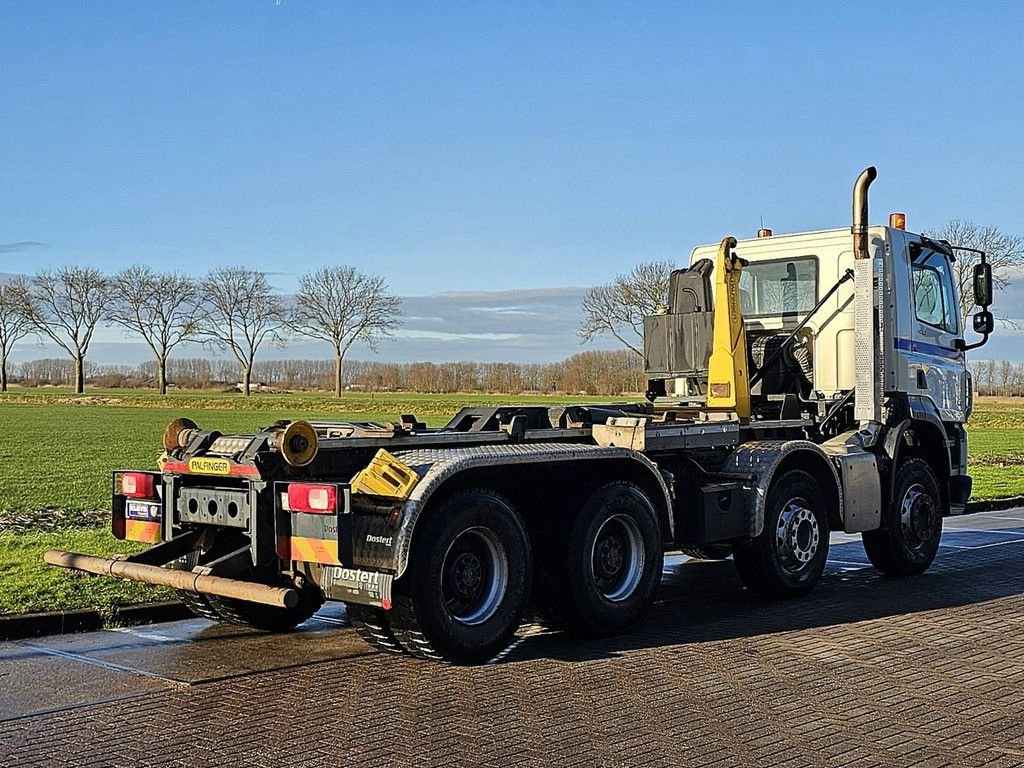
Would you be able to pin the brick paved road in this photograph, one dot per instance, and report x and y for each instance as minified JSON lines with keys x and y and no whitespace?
{"x":866,"y":671}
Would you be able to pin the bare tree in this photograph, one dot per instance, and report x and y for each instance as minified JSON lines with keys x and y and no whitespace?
{"x":1005,"y":252}
{"x":67,"y":305}
{"x":341,"y":306}
{"x":619,"y":307}
{"x":240,"y":313}
{"x":161,"y":308}
{"x":14,"y":325}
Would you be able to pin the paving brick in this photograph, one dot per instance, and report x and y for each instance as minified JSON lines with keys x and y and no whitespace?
{"x":864,"y":672}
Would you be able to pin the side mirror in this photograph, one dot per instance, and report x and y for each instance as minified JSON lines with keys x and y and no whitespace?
{"x":983,"y":322}
{"x":982,"y":289}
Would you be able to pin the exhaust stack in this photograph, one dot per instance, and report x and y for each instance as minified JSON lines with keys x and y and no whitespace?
{"x":860,"y":212}
{"x":867,"y":407}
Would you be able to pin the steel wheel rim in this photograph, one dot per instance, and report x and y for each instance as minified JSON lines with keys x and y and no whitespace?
{"x":797,"y":535}
{"x":617,"y":558}
{"x":917,"y":516}
{"x":474,"y":576}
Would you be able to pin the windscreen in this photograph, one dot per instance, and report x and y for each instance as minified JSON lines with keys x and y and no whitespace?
{"x":782,"y":287}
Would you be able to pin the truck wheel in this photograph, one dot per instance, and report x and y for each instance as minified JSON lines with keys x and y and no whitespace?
{"x":604,"y":580}
{"x":467,"y":583}
{"x":372,"y":625}
{"x":195,"y":602}
{"x":268,"y":618}
{"x":908,"y":540}
{"x":708,"y":552}
{"x":264,"y":617}
{"x":788,"y":557}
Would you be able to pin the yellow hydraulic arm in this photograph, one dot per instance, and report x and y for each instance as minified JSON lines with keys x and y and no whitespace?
{"x":728,"y":377}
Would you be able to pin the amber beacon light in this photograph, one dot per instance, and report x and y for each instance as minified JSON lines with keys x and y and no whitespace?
{"x":898,"y":220}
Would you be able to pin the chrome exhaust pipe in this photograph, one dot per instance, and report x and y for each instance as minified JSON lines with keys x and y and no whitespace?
{"x":860,"y":212}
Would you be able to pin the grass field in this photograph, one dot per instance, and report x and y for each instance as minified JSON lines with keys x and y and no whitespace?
{"x":26,"y":586}
{"x":57,"y":452}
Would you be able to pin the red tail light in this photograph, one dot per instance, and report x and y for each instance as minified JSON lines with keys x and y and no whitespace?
{"x":315,"y":499}
{"x":138,"y":485}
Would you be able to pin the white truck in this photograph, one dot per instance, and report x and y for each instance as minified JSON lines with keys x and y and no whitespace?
{"x":799,"y":384}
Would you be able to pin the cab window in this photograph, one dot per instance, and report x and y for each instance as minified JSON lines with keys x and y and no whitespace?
{"x":934,"y":301}
{"x":782,"y":287}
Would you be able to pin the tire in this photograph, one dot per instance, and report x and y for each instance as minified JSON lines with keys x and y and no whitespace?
{"x":195,"y":602}
{"x":198,"y":604}
{"x":373,"y":626}
{"x":268,"y":618}
{"x":467,"y":584}
{"x":708,"y":552}
{"x":788,"y":557}
{"x":603,"y":581}
{"x":908,"y":540}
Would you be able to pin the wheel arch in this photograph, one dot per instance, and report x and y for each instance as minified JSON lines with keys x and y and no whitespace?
{"x":761,"y":462}
{"x":534,"y":481}
{"x":923,"y":438}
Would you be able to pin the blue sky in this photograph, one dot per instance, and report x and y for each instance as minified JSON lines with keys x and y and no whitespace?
{"x":490,"y":146}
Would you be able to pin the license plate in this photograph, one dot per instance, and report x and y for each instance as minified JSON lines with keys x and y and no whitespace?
{"x":142,"y":510}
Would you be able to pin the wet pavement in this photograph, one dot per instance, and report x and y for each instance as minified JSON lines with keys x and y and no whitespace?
{"x":865,"y":671}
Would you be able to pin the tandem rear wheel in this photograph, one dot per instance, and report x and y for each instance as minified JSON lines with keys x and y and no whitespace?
{"x":467,"y":584}
{"x":603,"y":579}
{"x":266,"y":618}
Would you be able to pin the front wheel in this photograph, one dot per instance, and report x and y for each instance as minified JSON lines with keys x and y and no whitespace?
{"x":908,"y":540}
{"x":788,"y":557}
{"x":467,"y":585}
{"x":604,"y":580}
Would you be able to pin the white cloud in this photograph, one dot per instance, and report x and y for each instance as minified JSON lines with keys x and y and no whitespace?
{"x":443,"y":336}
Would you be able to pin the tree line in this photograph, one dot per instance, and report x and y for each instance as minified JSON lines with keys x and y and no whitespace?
{"x":610,"y":372}
{"x":604,"y":372}
{"x":235,"y":310}
{"x":232,"y":309}
{"x":997,"y":377}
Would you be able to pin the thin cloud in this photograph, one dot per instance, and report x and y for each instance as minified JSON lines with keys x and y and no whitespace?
{"x":24,"y":245}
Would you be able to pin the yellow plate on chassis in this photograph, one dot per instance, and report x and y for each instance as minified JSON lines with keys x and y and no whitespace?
{"x":206,"y":466}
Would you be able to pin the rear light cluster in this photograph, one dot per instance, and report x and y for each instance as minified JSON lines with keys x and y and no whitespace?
{"x":138,"y":485}
{"x":314,"y":499}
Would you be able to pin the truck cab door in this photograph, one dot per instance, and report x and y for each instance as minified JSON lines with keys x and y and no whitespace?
{"x":936,"y":366}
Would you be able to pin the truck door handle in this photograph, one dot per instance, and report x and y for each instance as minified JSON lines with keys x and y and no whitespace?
{"x":922,"y":379}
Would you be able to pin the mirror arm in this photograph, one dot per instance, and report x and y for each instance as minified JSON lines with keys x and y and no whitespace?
{"x":959,"y":343}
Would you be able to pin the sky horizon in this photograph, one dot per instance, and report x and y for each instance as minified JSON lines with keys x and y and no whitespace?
{"x":491,"y":148}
